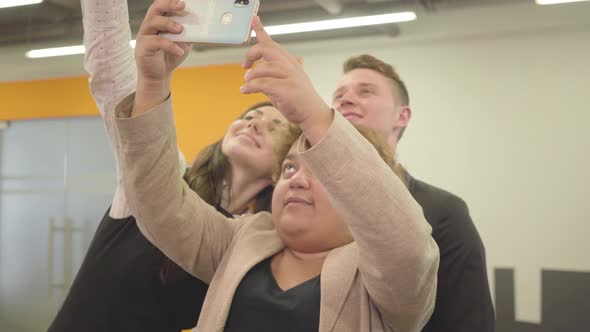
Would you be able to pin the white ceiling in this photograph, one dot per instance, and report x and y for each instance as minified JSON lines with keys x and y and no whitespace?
{"x":437,"y":21}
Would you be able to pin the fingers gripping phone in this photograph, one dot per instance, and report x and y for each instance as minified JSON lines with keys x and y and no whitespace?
{"x":226,"y":22}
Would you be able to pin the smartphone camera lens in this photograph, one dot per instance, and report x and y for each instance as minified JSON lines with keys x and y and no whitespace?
{"x":241,"y":3}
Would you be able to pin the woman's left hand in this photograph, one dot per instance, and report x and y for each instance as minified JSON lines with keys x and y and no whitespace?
{"x":281,"y":77}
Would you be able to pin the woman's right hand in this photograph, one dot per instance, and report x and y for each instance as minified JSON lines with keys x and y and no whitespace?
{"x":156,"y":56}
{"x":281,"y":77}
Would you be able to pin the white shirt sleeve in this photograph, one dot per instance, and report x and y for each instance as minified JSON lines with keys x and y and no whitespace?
{"x":110,"y":62}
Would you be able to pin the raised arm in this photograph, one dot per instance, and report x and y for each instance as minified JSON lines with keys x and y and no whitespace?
{"x":109,"y":62}
{"x":109,"y":57}
{"x":398,"y":257}
{"x":186,"y":229}
{"x":175,"y":219}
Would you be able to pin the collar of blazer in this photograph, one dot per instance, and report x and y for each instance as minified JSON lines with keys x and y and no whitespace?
{"x":259,"y":241}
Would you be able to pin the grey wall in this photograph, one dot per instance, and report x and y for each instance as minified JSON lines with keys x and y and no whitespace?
{"x":60,"y":170}
{"x":64,"y":170}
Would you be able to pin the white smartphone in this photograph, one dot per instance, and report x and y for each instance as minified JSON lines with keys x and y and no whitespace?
{"x":226,"y":22}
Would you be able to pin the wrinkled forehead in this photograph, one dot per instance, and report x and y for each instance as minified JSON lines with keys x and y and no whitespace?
{"x":362,"y":77}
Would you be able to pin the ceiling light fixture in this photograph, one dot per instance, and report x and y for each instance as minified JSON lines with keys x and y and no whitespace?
{"x":16,"y":3}
{"x":60,"y":51}
{"x":555,"y":2}
{"x":341,"y":23}
{"x":283,"y":29}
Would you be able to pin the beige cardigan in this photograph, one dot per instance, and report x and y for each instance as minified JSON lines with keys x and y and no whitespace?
{"x":384,"y":281}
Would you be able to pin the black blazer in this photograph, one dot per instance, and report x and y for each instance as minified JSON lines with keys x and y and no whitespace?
{"x":463,"y":301}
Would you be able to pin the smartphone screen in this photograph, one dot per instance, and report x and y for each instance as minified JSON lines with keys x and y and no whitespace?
{"x":216,"y":21}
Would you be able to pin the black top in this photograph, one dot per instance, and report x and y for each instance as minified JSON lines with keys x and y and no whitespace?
{"x":463,"y":301}
{"x":260,"y":305}
{"x":119,"y":287}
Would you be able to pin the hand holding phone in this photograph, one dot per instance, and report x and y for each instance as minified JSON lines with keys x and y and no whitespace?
{"x":225,"y":22}
{"x":155,"y":56}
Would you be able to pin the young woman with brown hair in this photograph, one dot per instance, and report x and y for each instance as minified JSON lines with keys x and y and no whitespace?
{"x":125,"y":283}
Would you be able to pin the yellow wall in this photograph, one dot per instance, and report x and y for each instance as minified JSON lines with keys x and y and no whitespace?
{"x":206,"y":100}
{"x":46,"y":99}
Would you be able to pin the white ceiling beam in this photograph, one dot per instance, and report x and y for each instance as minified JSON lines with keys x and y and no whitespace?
{"x":334,"y":7}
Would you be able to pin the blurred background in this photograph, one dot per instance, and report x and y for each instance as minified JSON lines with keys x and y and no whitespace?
{"x":499,"y":92}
